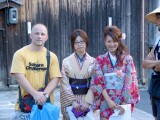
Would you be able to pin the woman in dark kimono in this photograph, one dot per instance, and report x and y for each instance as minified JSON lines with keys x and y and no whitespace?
{"x":114,"y":80}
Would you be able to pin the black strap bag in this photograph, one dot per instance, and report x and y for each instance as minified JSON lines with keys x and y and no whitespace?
{"x":26,"y":103}
{"x":154,"y":88}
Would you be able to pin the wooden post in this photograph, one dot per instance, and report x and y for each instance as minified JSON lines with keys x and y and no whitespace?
{"x":109,"y":21}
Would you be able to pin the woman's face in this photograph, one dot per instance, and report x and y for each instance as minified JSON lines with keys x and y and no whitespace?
{"x":111,"y":45}
{"x":79,"y":45}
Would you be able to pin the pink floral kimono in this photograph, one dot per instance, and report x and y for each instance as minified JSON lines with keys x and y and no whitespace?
{"x":122,"y":88}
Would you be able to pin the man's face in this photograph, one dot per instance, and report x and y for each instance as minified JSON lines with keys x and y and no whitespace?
{"x":158,"y":19}
{"x":39,"y":35}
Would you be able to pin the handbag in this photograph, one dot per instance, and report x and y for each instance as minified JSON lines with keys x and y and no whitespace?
{"x":154,"y":88}
{"x":26,"y":103}
{"x":91,"y":115}
{"x":125,"y":116}
{"x":48,"y":112}
{"x":80,"y":113}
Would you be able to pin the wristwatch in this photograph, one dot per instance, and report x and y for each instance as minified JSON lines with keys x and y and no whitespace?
{"x":46,"y":95}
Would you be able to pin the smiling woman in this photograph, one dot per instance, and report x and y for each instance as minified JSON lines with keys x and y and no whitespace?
{"x":111,"y":44}
{"x":114,"y":82}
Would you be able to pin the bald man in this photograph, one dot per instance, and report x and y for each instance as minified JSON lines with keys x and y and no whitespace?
{"x":29,"y":67}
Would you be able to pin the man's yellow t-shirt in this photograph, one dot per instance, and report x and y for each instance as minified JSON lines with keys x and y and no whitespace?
{"x":33,"y":65}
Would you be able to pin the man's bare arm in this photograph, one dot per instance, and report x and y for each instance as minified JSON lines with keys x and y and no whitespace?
{"x":51,"y":86}
{"x":149,"y":64}
{"x":24,"y":83}
{"x":150,"y":61}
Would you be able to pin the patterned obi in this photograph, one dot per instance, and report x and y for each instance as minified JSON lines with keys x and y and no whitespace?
{"x":79,"y":86}
{"x":113,"y":81}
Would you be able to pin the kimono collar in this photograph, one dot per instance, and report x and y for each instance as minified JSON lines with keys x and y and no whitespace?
{"x":113,"y":59}
{"x":81,"y":58}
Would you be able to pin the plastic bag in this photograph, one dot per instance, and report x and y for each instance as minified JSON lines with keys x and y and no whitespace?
{"x":125,"y":116}
{"x":48,"y":112}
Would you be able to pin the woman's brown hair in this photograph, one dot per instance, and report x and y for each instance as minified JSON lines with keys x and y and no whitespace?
{"x":82,"y":34}
{"x":115,"y":33}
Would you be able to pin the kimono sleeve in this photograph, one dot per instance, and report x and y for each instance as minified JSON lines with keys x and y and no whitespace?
{"x":67,"y":96}
{"x":89,"y":96}
{"x":97,"y":81}
{"x":131,"y":91}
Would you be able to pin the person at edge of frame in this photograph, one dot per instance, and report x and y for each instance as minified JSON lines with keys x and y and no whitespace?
{"x":152,"y":61}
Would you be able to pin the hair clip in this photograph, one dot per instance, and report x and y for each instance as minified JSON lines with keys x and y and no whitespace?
{"x":78,"y":33}
{"x":110,"y":29}
{"x":123,"y":36}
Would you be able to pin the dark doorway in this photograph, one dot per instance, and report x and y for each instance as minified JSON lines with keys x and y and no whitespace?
{"x":3,"y":75}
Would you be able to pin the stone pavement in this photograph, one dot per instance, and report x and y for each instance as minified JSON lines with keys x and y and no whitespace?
{"x":7,"y":100}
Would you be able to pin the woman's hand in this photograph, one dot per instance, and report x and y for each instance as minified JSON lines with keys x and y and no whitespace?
{"x":112,"y":104}
{"x":122,"y":110}
{"x":76,"y":106}
{"x":85,"y":106}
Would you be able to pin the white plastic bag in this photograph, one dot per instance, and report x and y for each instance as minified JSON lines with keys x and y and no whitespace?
{"x":125,"y":116}
{"x":90,"y":115}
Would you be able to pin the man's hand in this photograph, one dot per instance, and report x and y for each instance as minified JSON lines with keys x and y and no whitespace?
{"x":157,"y":67}
{"x":39,"y":97}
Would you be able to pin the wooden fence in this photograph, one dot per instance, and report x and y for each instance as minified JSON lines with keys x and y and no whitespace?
{"x":63,"y":16}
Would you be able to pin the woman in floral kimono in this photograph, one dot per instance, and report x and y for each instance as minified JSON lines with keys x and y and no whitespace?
{"x":76,"y":75}
{"x":114,"y":81}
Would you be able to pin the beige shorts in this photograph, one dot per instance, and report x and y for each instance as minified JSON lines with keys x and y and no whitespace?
{"x":18,"y":115}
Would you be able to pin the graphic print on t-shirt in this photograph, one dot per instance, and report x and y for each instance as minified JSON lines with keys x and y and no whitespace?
{"x":36,"y":66}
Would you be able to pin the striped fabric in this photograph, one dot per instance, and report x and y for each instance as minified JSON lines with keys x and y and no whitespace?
{"x":66,"y":98}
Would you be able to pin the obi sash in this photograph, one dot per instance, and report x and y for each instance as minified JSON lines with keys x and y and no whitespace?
{"x":113,"y":81}
{"x":79,"y":86}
